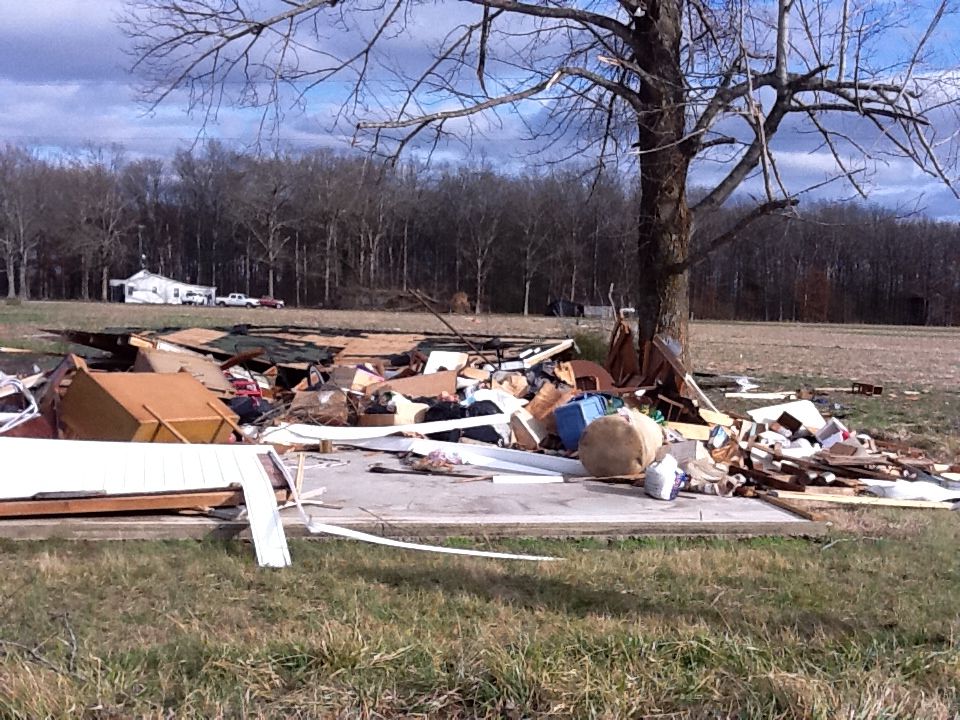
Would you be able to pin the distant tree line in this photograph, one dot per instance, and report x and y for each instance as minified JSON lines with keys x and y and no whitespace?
{"x":328,"y":229}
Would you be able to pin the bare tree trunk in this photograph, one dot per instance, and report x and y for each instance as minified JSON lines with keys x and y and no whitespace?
{"x":270,"y":275}
{"x":526,"y":296}
{"x":479,"y":286}
{"x":199,"y":279}
{"x":664,"y":225}
{"x":296,"y":265}
{"x":306,"y":276}
{"x":84,"y":276}
{"x":24,"y":275}
{"x":246,"y":267}
{"x":328,"y":257}
{"x":104,"y":280}
{"x":11,"y":275}
{"x":406,"y":228}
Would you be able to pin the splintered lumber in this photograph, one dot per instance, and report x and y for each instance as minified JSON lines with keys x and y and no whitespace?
{"x":862,"y":500}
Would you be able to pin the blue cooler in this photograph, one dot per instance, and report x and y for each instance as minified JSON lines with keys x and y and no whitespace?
{"x":573,"y":418}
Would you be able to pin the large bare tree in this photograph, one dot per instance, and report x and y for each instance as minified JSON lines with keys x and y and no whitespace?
{"x":676,"y":85}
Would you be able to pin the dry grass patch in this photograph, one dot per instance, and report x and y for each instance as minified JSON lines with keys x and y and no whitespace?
{"x":761,"y":628}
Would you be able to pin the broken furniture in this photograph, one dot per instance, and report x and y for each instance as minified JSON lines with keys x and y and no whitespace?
{"x":144,"y":407}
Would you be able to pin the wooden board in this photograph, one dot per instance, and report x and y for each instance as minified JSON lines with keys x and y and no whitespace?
{"x":377,"y":346}
{"x":789,"y":506}
{"x":419,"y":385}
{"x":195,"y":337}
{"x":863,"y":500}
{"x":126,"y":503}
{"x":691,"y":431}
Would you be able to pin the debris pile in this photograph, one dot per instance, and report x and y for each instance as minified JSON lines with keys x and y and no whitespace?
{"x":523,"y":409}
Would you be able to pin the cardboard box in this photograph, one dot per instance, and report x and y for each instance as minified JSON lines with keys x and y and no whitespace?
{"x":416,"y":386}
{"x":143,"y":407}
{"x":327,"y":405}
{"x":353,"y":378}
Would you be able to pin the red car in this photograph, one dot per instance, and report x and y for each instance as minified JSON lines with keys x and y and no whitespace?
{"x":271,"y":302}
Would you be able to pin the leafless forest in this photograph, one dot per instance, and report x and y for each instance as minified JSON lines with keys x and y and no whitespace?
{"x":331,"y":230}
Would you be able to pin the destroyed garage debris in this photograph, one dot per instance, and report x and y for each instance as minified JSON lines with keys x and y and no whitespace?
{"x":219,"y":407}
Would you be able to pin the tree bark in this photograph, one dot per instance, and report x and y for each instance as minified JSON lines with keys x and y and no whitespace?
{"x":663,"y":301}
{"x":328,"y":256}
{"x":11,"y":275}
{"x":24,"y":274}
{"x":296,"y":266}
{"x":104,"y":280}
{"x":479,"y":286}
{"x":84,"y":277}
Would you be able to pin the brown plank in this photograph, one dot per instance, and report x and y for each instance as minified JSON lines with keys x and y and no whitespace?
{"x":789,"y":507}
{"x":126,"y":503}
{"x":864,"y":500}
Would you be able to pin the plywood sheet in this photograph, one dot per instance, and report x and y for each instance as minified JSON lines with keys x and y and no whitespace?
{"x":194,"y":337}
{"x":378,"y":346}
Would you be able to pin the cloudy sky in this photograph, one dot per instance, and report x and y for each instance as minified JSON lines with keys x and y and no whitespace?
{"x":65,"y":83}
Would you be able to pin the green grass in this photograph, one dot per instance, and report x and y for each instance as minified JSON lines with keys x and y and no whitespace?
{"x":592,"y":346}
{"x":866,"y":627}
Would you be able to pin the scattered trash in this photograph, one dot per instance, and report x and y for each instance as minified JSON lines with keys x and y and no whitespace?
{"x":664,"y":479}
{"x":219,"y":406}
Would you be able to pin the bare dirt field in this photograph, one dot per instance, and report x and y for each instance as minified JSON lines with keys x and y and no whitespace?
{"x":909,"y":356}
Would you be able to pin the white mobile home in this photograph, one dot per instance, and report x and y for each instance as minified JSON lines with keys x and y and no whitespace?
{"x":147,"y":288}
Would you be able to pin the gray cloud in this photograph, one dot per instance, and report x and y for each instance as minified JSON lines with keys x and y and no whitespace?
{"x":64,"y":83}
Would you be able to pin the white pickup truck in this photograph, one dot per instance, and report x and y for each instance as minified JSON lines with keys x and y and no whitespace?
{"x":237,"y":300}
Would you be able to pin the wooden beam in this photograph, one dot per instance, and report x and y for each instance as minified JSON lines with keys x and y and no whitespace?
{"x":788,"y":506}
{"x":863,"y":500}
{"x":170,"y":428}
{"x":127,"y":503}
